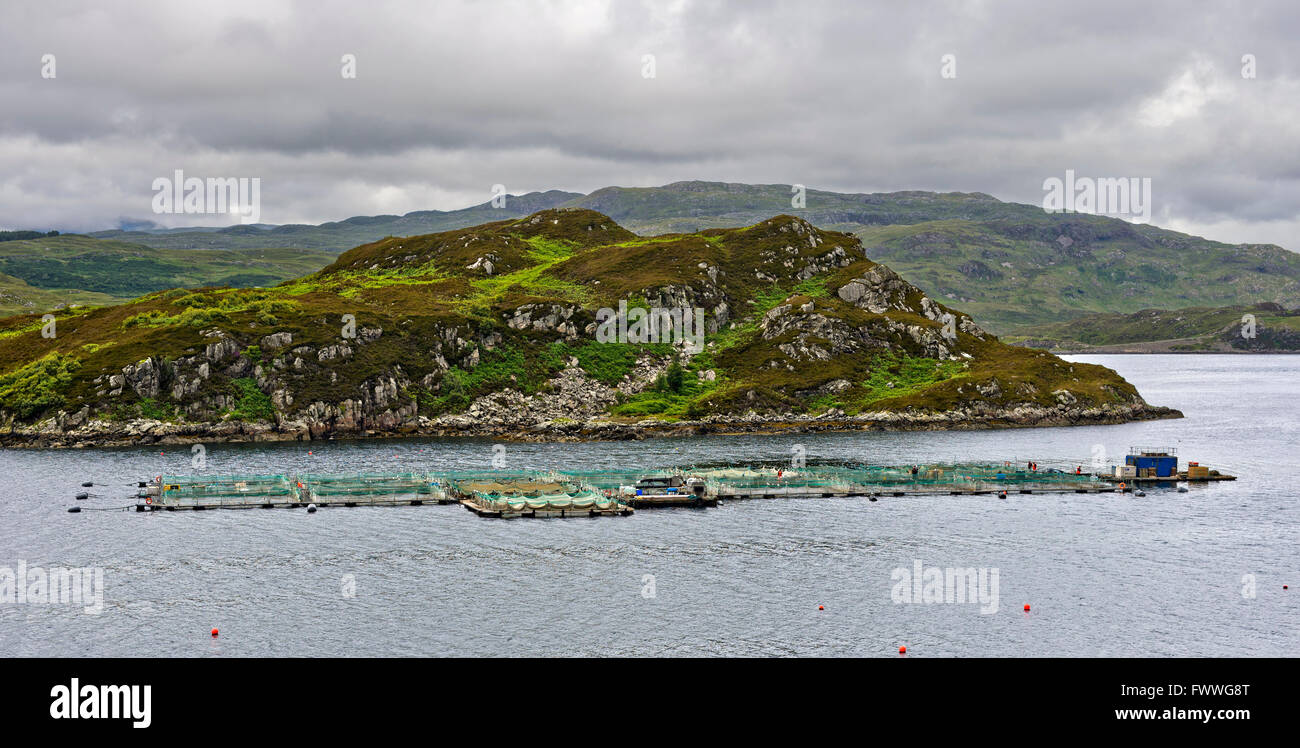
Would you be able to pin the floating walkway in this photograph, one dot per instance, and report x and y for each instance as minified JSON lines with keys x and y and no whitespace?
{"x":955,"y":479}
{"x":564,"y":494}
{"x":170,"y":493}
{"x":535,"y":496}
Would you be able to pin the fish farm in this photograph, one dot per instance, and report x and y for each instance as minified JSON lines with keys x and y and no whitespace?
{"x":563,"y":494}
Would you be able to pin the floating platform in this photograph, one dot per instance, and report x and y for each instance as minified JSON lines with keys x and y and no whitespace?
{"x":1184,"y":478}
{"x":841,"y":481}
{"x":662,"y":491}
{"x":524,"y":508}
{"x":618,"y":493}
{"x":373,"y":489}
{"x":535,"y":496}
{"x":172,"y":493}
{"x":671,"y":500}
{"x":899,"y":491}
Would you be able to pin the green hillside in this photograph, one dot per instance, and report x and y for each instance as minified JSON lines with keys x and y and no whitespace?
{"x":493,"y":329}
{"x":1194,"y":329}
{"x":18,"y":297}
{"x":75,"y":269}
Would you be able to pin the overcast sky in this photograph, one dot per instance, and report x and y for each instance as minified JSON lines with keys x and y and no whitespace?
{"x":451,"y":98}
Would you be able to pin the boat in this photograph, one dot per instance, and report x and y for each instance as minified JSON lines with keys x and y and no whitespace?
{"x":667,"y":491}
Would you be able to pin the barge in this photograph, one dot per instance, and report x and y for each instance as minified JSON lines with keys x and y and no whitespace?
{"x":1160,"y":465}
{"x":535,"y":497}
{"x":668,"y":491}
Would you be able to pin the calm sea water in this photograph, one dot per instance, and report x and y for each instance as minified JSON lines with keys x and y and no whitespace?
{"x":1113,"y":575}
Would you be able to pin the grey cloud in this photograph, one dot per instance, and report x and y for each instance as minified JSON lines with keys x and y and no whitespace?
{"x":453,"y":97}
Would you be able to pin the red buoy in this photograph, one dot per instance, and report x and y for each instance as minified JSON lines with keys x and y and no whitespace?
{"x":821,"y":607}
{"x":902,"y":650}
{"x":214,"y":632}
{"x":1026,"y":607}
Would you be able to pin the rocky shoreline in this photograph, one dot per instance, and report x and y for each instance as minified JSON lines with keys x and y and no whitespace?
{"x":142,"y":432}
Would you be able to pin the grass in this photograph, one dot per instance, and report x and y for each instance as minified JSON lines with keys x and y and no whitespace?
{"x":605,"y":362}
{"x":152,"y":409}
{"x":525,"y":368}
{"x":894,"y":375}
{"x":678,"y":393}
{"x":211,"y":307}
{"x":765,"y":300}
{"x":544,"y":253}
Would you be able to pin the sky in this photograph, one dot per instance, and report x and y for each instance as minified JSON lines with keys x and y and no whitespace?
{"x":452,"y":98}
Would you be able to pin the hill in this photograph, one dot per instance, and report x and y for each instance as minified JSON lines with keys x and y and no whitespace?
{"x":1192,"y":330}
{"x":19,"y":297}
{"x":337,"y":236}
{"x":74,"y":269}
{"x":1010,"y":265}
{"x":496,"y":329}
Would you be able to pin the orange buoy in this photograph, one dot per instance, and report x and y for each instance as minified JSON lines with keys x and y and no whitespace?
{"x":214,"y":632}
{"x":821,"y":607}
{"x":902,"y":650}
{"x":1026,"y":607}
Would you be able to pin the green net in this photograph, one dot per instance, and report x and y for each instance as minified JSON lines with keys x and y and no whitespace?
{"x":514,"y":491}
{"x":180,"y":489}
{"x":371,"y":484}
{"x":933,"y":476}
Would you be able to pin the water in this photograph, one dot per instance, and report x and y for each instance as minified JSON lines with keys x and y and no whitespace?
{"x":1105,"y":574}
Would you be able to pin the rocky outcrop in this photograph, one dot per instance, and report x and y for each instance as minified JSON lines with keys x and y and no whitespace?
{"x":499,"y":417}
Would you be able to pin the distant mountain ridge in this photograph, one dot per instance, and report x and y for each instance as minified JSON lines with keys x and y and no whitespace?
{"x":1260,"y":328}
{"x":38,"y":275}
{"x":1011,"y":265}
{"x":338,"y":236}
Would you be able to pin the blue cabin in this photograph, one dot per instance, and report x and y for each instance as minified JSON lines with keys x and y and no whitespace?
{"x":1157,"y":463}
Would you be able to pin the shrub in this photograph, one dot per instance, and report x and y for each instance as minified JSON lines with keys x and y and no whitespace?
{"x":38,"y":386}
{"x":252,"y":404}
